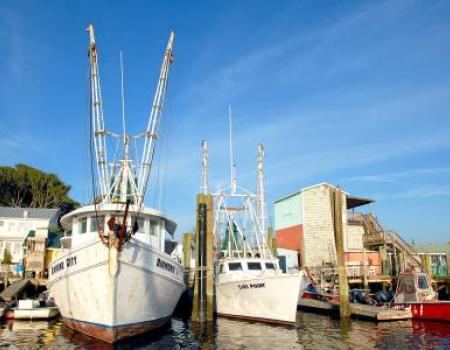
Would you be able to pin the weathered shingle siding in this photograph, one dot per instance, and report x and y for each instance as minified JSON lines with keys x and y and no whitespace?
{"x":318,"y":226}
{"x":353,"y":240}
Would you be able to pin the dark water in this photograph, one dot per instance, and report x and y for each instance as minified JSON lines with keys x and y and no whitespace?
{"x":310,"y":332}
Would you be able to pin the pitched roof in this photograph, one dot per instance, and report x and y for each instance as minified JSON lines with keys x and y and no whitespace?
{"x":33,"y":213}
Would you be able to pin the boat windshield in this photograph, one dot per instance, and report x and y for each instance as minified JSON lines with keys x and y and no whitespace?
{"x":236,"y":266}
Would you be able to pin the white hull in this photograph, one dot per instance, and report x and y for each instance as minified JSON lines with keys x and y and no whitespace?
{"x":38,"y":313}
{"x":112,"y":295}
{"x":271,"y":298}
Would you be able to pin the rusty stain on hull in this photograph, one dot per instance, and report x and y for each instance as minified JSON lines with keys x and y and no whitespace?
{"x":110,"y":334}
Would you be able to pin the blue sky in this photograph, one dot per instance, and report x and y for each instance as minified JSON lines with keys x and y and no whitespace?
{"x":350,"y":93}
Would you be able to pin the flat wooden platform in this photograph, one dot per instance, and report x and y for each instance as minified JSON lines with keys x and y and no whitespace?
{"x":373,"y":313}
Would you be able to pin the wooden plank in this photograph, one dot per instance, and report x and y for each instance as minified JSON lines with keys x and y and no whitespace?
{"x":369,"y":312}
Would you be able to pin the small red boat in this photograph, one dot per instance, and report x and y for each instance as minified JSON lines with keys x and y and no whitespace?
{"x":414,"y":290}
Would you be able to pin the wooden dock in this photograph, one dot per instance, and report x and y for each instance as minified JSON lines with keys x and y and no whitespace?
{"x":368,"y":312}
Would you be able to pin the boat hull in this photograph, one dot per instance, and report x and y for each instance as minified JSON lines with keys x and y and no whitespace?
{"x":112,"y":295}
{"x":434,"y":311}
{"x":270,"y":298}
{"x":39,"y":313}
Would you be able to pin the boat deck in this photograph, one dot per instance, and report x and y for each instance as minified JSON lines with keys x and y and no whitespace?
{"x":368,"y":312}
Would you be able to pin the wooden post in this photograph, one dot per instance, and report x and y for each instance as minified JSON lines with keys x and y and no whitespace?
{"x":401,"y":261}
{"x":204,"y":261}
{"x":336,"y":200}
{"x":364,"y":270}
{"x":187,"y":257}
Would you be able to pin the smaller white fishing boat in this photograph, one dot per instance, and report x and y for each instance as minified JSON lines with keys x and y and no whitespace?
{"x":249,"y":282}
{"x":35,"y":310}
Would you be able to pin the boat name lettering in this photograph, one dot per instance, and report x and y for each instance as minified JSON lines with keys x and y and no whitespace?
{"x":252,"y":285}
{"x":71,"y":261}
{"x":165,"y":265}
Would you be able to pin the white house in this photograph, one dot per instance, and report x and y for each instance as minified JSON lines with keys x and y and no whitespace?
{"x":15,"y":223}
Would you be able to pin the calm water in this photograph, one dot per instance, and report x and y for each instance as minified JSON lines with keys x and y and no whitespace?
{"x":311,"y":332}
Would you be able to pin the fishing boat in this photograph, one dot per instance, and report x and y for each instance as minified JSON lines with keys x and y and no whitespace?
{"x":249,"y":282}
{"x":116,"y":277}
{"x":414,"y":290}
{"x":29,"y":309}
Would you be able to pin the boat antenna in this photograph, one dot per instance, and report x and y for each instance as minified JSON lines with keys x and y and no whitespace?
{"x":123,"y":97}
{"x":232,"y":165}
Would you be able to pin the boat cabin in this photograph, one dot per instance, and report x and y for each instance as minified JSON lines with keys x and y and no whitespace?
{"x":83,"y":224}
{"x":414,"y":287}
{"x":248,"y":266}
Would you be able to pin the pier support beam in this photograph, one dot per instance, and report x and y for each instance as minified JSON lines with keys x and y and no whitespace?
{"x":336,"y":208}
{"x":204,"y":261}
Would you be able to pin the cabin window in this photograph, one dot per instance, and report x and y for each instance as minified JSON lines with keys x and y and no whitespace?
{"x":83,"y":225}
{"x":153,"y":228}
{"x":97,"y":222}
{"x":254,"y":266}
{"x":270,"y":266}
{"x":234,"y":267}
{"x":423,"y":283}
{"x":141,"y":224}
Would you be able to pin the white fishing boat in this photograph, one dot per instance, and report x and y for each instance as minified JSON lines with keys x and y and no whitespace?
{"x":116,"y":277}
{"x":33,"y":310}
{"x":249,"y":282}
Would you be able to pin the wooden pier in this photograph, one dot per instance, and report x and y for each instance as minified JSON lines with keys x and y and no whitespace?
{"x":368,"y":312}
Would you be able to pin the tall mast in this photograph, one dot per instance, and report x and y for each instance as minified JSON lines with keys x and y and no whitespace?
{"x":98,"y":125}
{"x":154,"y":120}
{"x":260,"y":192}
{"x":232,"y":165}
{"x":204,"y":182}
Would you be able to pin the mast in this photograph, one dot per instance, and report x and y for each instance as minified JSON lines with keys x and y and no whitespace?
{"x":260,"y":192}
{"x":204,"y":180}
{"x":154,"y":121}
{"x":232,"y":165}
{"x":98,"y":125}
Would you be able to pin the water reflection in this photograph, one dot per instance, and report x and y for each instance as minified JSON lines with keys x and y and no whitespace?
{"x":310,"y":332}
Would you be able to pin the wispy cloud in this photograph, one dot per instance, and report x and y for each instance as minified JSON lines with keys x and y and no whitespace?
{"x":399,"y":175}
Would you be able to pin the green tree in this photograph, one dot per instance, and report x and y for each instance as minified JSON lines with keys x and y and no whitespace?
{"x":7,"y":257}
{"x":25,"y":186}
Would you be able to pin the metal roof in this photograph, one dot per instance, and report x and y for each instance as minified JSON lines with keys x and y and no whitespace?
{"x":33,"y":213}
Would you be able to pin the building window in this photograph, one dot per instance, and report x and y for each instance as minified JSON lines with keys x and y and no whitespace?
{"x":2,"y":223}
{"x":83,"y":225}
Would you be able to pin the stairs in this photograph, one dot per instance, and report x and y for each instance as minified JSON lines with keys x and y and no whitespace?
{"x":375,"y":235}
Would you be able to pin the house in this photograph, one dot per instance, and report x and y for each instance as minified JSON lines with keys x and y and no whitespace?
{"x":304,"y":226}
{"x":16,"y":223}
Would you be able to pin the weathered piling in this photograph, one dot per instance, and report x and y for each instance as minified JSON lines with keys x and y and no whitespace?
{"x":204,"y":265}
{"x":336,"y":201}
{"x":187,"y":257}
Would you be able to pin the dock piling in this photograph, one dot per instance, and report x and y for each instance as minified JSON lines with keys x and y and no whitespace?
{"x":204,"y":262}
{"x":336,"y":199}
